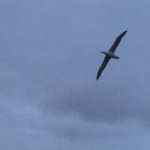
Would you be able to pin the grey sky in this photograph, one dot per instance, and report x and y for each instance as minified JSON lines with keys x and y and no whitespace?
{"x":49,"y":56}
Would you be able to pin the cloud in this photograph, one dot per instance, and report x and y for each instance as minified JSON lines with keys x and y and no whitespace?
{"x":49,"y":96}
{"x":24,"y":126}
{"x":101,"y":104}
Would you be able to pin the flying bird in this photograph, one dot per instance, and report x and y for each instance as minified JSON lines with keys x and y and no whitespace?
{"x":110,"y":54}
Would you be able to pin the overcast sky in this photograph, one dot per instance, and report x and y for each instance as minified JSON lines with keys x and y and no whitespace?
{"x":49,"y":57}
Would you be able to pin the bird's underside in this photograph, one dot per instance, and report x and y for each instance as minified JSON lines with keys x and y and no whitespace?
{"x":110,"y":54}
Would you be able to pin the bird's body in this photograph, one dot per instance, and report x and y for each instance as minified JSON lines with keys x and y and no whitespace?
{"x":110,"y":54}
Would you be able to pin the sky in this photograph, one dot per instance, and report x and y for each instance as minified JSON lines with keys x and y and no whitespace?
{"x":49,"y":57}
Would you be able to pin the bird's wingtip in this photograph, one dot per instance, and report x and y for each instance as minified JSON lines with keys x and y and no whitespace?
{"x":125,"y":31}
{"x":97,"y":78}
{"x":122,"y":34}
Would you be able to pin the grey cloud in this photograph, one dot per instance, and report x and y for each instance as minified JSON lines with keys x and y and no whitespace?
{"x":102,"y":104}
{"x":49,"y":55}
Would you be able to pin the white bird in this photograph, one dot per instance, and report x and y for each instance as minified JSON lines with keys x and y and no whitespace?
{"x":110,"y":54}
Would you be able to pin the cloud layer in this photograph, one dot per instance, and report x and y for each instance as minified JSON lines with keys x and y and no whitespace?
{"x":49,"y":96}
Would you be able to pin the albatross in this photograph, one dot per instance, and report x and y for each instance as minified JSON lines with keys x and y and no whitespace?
{"x":110,"y":54}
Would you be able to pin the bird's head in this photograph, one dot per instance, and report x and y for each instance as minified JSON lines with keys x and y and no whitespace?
{"x":103,"y":52}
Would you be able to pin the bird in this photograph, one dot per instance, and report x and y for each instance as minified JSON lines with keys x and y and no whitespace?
{"x":110,"y":54}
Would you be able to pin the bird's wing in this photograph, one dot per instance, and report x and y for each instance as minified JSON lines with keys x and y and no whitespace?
{"x":117,"y":41}
{"x":102,"y":67}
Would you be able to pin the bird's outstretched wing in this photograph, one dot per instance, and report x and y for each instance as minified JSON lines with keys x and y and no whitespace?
{"x":102,"y":67}
{"x":117,"y":41}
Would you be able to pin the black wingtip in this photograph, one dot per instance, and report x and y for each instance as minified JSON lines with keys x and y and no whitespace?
{"x":124,"y":32}
{"x":97,"y":77}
